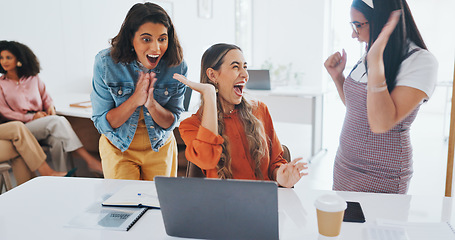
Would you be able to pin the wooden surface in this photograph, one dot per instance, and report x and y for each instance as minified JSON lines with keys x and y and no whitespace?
{"x":449,"y":176}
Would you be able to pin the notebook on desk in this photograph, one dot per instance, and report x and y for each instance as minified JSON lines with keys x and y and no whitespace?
{"x":134,"y":195}
{"x":218,"y":209}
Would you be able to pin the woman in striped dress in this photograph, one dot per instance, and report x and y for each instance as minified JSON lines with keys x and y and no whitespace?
{"x":382,"y":95}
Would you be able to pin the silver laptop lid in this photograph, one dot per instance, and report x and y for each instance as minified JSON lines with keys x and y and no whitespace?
{"x":218,"y":209}
{"x":258,"y":80}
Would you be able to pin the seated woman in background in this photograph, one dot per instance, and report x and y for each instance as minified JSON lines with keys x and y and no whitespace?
{"x":231,"y":137}
{"x":23,"y":97}
{"x":31,"y":156}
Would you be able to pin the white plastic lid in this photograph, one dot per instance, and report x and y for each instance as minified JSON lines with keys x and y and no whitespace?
{"x":330,"y":203}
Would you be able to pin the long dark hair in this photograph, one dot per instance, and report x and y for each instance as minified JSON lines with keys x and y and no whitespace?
{"x":254,"y":129}
{"x":30,"y":64}
{"x":139,"y":14}
{"x":398,"y":44}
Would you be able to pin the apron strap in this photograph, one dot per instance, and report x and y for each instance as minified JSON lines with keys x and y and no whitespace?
{"x":410,"y":53}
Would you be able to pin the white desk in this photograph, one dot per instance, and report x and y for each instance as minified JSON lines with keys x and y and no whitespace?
{"x":41,"y":207}
{"x":62,"y":105}
{"x":296,"y":106}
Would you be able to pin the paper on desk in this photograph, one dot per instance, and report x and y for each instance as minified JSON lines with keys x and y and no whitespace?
{"x":107,"y":218}
{"x":400,"y":230}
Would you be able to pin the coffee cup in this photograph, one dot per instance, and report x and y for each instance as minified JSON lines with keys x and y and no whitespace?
{"x":330,"y":211}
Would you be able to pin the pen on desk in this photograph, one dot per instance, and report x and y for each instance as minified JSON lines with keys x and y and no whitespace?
{"x":146,"y":195}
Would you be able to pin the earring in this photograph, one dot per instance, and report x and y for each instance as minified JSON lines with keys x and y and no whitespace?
{"x":19,"y":64}
{"x":216,"y":86}
{"x":132,"y":49}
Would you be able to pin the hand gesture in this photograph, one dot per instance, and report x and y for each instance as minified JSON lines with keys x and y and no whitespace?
{"x":202,"y":88}
{"x":150,"y":99}
{"x":140,"y":95}
{"x":51,"y":110}
{"x":208,"y":93}
{"x":289,"y":174}
{"x":39,"y":114}
{"x":335,"y":64}
{"x":376,"y":51}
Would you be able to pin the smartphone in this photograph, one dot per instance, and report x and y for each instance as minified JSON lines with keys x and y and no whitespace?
{"x":354,"y":213}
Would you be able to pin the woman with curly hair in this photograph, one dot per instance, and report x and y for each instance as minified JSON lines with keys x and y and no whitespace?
{"x":23,"y":97}
{"x":231,"y":137}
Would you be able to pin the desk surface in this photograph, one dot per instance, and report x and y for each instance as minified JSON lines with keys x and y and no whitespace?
{"x":62,"y":105}
{"x":42,"y":206}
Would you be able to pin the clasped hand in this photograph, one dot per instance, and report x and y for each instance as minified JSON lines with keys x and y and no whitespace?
{"x":40,"y":114}
{"x":143,"y":95}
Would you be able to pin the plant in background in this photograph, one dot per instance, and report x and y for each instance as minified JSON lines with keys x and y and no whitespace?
{"x":282,"y":74}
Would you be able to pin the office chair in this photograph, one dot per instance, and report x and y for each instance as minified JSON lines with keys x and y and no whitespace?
{"x":187,"y":98}
{"x":286,"y":153}
{"x":4,"y":177}
{"x":194,"y":171}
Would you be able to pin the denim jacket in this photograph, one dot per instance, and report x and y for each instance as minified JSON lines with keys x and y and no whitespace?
{"x":113,"y":83}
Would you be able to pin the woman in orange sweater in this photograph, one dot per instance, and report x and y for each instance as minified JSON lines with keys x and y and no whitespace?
{"x":231,"y":137}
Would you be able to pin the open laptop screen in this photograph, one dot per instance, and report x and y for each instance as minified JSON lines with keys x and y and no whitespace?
{"x":258,"y":80}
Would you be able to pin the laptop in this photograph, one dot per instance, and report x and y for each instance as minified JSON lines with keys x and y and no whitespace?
{"x":258,"y":80}
{"x":218,"y":209}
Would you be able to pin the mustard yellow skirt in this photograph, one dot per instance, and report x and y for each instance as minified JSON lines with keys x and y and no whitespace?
{"x":139,"y":161}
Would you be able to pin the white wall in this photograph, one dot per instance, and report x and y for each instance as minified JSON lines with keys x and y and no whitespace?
{"x":291,"y":32}
{"x":66,"y":35}
{"x":435,"y":20}
{"x":197,"y":34}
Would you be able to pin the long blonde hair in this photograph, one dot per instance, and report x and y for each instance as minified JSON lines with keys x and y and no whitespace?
{"x":254,"y":129}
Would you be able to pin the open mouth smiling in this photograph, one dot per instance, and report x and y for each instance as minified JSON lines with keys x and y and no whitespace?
{"x":152,"y":58}
{"x":238,"y":89}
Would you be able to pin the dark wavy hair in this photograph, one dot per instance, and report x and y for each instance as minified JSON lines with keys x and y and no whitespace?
{"x":139,"y":14}
{"x":398,"y":44}
{"x":30,"y":64}
{"x":254,"y":129}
